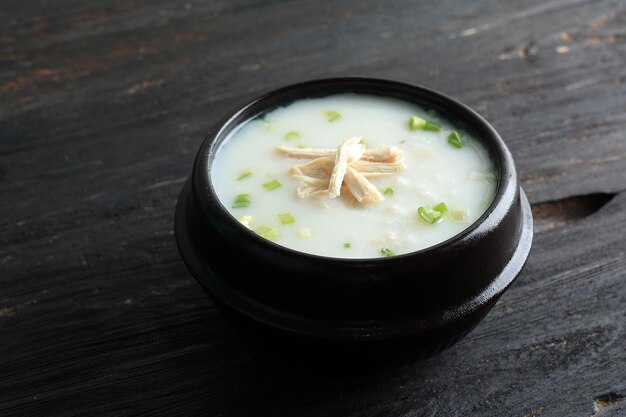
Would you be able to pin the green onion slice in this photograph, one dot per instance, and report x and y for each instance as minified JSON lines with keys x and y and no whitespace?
{"x":428,"y":215}
{"x":245,"y":174}
{"x":241,"y":201}
{"x":347,"y":245}
{"x":286,"y":218}
{"x":332,"y":115}
{"x":293,"y":135}
{"x":432,"y":127}
{"x":441,"y":208}
{"x":388,"y":191}
{"x":267,"y":232}
{"x":432,"y":215}
{"x":455,"y":140}
{"x":246,"y":220}
{"x":386,"y":252}
{"x":416,"y":123}
{"x":272,"y":185}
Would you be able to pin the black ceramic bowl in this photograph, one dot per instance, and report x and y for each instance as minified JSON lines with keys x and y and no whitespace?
{"x":417,"y":303}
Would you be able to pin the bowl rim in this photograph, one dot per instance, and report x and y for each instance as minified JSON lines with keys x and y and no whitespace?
{"x":204,"y":191}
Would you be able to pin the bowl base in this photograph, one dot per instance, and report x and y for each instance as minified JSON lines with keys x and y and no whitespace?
{"x":278,"y":345}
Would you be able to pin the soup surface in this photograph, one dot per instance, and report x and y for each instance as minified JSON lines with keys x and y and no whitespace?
{"x":433,"y":180}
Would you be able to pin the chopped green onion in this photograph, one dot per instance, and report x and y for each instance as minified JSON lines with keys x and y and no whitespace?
{"x":332,"y":115}
{"x":362,"y":142}
{"x":272,"y":185}
{"x":416,"y":123}
{"x":432,"y":127}
{"x":267,"y":232}
{"x":301,"y":146}
{"x":441,"y":208}
{"x":347,"y":245}
{"x":286,"y":218}
{"x":388,"y":191}
{"x":432,"y":215}
{"x":455,"y":140}
{"x":428,"y":215}
{"x":244,"y":174}
{"x":292,"y":135}
{"x":241,"y":201}
{"x":246,"y":220}
{"x":386,"y":252}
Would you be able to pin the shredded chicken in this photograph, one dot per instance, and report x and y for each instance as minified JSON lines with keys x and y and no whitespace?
{"x":363,"y":190}
{"x":344,"y":171}
{"x":310,"y":190}
{"x":311,"y":186}
{"x":349,"y":151}
{"x":385,"y":154}
{"x":317,"y":168}
{"x":311,"y":180}
{"x":378,"y":167}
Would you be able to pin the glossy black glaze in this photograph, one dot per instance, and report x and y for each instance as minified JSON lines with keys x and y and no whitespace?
{"x":423,"y":300}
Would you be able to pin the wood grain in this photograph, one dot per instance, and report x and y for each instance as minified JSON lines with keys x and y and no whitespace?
{"x":102,"y":107}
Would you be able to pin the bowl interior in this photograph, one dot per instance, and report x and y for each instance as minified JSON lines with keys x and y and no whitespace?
{"x":448,"y":107}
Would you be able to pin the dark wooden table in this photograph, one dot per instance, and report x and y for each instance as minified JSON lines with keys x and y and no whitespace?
{"x":103,"y":105}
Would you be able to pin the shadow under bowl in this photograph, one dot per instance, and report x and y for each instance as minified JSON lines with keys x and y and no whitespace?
{"x":411,"y":305}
